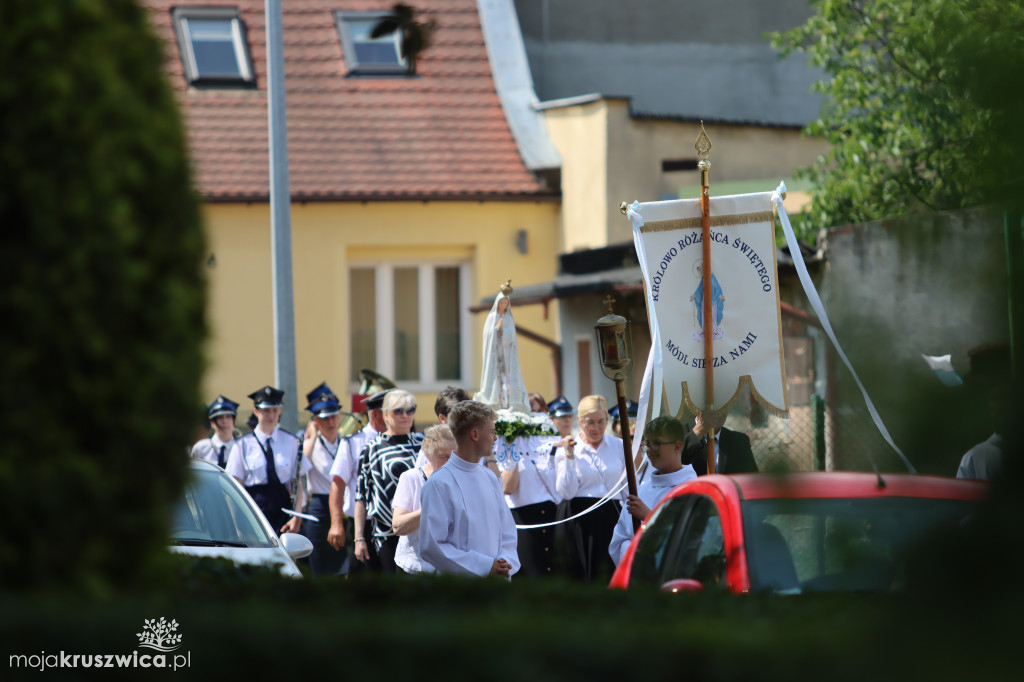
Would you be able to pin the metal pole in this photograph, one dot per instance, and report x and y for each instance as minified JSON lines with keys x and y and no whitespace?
{"x":280,"y":221}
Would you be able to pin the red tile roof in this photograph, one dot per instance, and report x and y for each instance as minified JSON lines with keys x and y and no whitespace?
{"x":440,"y":134}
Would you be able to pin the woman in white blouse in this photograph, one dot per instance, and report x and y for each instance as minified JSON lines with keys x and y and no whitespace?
{"x":585,"y":472}
{"x":438,"y":444}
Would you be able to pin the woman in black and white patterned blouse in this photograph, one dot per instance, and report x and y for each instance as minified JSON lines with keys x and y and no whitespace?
{"x":383,"y":462}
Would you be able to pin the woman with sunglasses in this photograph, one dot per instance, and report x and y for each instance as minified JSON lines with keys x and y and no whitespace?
{"x":585,"y":472}
{"x":382,"y":464}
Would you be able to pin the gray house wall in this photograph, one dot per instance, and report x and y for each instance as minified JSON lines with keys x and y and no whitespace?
{"x":692,"y":59}
{"x":894,"y":290}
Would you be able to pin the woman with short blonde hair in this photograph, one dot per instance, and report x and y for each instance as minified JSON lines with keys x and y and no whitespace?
{"x":438,"y":443}
{"x":381,"y":466}
{"x":585,"y":472}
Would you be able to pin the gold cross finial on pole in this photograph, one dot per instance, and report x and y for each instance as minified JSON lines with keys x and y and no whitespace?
{"x":610,"y":302}
{"x":703,"y":147}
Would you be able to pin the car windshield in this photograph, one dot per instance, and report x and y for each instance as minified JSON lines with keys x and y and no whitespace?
{"x":214,"y":513}
{"x":798,"y":545}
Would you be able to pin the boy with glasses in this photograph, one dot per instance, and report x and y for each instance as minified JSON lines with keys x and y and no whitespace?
{"x":663,"y":445}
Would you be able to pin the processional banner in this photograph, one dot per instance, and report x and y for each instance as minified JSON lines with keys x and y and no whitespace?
{"x":746,"y":322}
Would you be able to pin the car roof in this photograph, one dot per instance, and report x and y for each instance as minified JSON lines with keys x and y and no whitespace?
{"x":840,"y":484}
{"x":203,"y":464}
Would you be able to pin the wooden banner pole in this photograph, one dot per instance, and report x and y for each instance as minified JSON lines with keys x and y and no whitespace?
{"x":703,"y":147}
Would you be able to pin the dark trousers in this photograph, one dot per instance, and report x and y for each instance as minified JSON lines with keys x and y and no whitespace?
{"x":325,"y":560}
{"x":386,"y":552}
{"x":371,"y":565}
{"x":536,"y":545}
{"x":583,"y":543}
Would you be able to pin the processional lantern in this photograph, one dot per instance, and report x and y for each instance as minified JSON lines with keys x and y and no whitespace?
{"x":614,"y":343}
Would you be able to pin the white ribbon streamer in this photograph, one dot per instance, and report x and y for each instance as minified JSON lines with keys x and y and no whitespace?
{"x":819,"y":310}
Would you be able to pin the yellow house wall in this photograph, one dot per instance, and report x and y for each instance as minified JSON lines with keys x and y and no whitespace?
{"x":609,"y":157}
{"x":580,"y":135}
{"x":326,"y":239}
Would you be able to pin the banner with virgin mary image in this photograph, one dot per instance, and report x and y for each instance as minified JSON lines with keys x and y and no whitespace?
{"x":745,"y":314}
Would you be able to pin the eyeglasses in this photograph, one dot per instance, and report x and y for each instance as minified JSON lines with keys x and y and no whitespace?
{"x":406,"y":411}
{"x":651,"y":447}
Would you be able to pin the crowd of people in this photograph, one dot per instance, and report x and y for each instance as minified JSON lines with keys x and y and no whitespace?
{"x":390,"y":499}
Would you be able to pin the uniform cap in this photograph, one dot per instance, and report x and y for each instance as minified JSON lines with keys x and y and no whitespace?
{"x":631,"y":409}
{"x":221,"y":406}
{"x":560,"y":407}
{"x":376,"y":401}
{"x":322,"y":401}
{"x":268,"y":396}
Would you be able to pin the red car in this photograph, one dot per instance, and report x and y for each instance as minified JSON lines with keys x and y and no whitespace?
{"x":793,"y":533}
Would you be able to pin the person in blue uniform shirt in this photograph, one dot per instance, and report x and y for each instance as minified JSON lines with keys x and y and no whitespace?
{"x":265,"y":462}
{"x":344,"y":479}
{"x":216,"y":448}
{"x":631,"y":410}
{"x":320,"y":447}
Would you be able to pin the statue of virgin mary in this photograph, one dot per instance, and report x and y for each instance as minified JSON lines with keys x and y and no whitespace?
{"x":501,"y":382}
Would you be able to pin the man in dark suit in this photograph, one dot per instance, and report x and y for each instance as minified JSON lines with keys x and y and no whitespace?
{"x":734,"y":455}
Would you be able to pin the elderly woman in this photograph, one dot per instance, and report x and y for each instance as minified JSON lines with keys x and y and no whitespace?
{"x":383,"y":462}
{"x":438,"y":443}
{"x":585,"y":472}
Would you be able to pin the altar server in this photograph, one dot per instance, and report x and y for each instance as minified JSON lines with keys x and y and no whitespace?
{"x":663,"y":443}
{"x":465,"y":525}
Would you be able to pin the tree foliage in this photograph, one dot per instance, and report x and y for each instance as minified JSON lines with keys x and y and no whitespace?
{"x":103,"y":297}
{"x":919,"y":105}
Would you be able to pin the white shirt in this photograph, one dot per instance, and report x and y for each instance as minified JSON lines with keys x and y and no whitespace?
{"x":346,"y":464}
{"x":592,"y":472}
{"x":983,"y":461}
{"x":322,"y":459}
{"x":248,"y":464}
{"x":407,"y":497}
{"x":464,"y":523}
{"x":652,"y":490}
{"x":532,"y":457}
{"x":209,"y":448}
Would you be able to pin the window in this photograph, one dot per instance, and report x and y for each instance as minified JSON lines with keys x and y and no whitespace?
{"x":700,"y":554}
{"x":213,"y":45}
{"x":410,"y":322}
{"x":662,"y":528}
{"x":364,"y":54}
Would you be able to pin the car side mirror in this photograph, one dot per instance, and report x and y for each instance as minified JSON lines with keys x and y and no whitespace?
{"x":296,"y":545}
{"x":682,"y":585}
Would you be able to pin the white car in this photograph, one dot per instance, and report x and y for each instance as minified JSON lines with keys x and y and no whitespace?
{"x":216,"y":517}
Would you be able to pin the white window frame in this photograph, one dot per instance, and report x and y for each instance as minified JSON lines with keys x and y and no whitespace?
{"x":343,"y":19}
{"x":384,"y":279}
{"x":182,"y":15}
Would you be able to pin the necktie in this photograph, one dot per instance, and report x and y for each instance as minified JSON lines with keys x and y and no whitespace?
{"x":272,"y":477}
{"x":220,"y":457}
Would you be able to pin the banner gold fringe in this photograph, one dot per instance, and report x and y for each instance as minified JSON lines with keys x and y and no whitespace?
{"x":687,"y":401}
{"x":716,"y":221}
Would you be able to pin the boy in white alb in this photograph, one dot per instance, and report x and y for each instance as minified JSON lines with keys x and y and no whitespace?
{"x":663,"y":443}
{"x":465,"y":525}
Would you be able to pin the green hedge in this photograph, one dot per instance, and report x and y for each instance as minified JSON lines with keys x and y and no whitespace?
{"x":103,"y":297}
{"x":254,"y":625}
